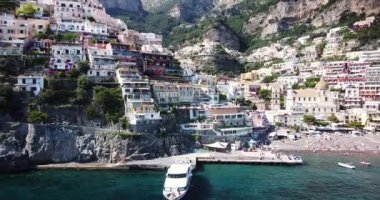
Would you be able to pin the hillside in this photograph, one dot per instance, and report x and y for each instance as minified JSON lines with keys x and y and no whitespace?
{"x":243,"y":25}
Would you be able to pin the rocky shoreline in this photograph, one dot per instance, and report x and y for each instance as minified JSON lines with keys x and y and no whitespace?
{"x":23,"y":146}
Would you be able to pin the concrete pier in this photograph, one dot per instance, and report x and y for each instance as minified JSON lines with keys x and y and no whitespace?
{"x":195,"y":159}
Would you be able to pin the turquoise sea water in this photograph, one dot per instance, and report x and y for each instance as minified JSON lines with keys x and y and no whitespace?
{"x":320,"y":178}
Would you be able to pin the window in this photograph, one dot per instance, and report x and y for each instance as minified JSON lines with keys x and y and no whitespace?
{"x":326,"y":98}
{"x":21,"y":31}
{"x":40,"y":26}
{"x":23,"y":81}
{"x":34,"y":81}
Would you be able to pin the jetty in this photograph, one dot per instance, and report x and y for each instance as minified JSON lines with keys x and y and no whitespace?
{"x":195,"y":159}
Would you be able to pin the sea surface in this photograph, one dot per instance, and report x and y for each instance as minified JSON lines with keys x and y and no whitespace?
{"x":320,"y":179}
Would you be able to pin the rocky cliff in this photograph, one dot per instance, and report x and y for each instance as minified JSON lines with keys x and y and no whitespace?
{"x":319,"y":12}
{"x":23,"y":145}
{"x":124,"y":6}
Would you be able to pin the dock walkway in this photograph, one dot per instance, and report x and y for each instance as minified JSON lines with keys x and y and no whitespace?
{"x":195,"y":159}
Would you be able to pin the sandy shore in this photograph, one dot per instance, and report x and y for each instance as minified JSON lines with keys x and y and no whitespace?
{"x":368,"y":144}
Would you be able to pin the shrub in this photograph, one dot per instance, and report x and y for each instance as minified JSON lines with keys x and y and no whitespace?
{"x":38,"y":117}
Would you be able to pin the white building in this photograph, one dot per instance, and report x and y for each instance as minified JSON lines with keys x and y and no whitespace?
{"x":80,"y":26}
{"x":319,"y":102}
{"x":150,"y":39}
{"x":334,"y":46}
{"x":102,"y":63}
{"x":139,"y":104}
{"x":31,"y":83}
{"x":66,"y":56}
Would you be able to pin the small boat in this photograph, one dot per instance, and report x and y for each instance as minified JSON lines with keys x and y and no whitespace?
{"x":177,"y":181}
{"x":346,"y":165}
{"x":365,"y":163}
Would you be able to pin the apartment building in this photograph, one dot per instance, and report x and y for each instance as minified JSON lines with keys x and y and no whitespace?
{"x":176,"y":93}
{"x":66,"y":56}
{"x":30,"y":83}
{"x":343,"y":73}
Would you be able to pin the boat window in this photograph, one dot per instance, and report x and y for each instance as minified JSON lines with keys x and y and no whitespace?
{"x":177,"y":175}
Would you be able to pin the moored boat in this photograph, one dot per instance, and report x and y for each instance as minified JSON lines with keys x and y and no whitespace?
{"x":177,"y":181}
{"x":346,"y":165}
{"x":365,"y":163}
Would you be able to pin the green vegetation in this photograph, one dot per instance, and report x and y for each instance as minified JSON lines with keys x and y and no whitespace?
{"x":332,"y":118}
{"x":309,"y":119}
{"x":265,"y":95}
{"x":349,"y":18}
{"x":248,"y":67}
{"x":83,"y":67}
{"x":311,"y":82}
{"x":271,"y":79}
{"x":67,"y":37}
{"x":244,"y":102}
{"x":109,"y":101}
{"x":222,"y":97}
{"x":124,"y":123}
{"x":364,"y":35}
{"x":27,"y":10}
{"x":8,"y":5}
{"x":355,"y":124}
{"x":38,"y":117}
{"x":254,"y":107}
{"x":10,"y":101}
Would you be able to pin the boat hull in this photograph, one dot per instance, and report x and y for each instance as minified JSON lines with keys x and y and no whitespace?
{"x":346,"y":165}
{"x":174,"y":196}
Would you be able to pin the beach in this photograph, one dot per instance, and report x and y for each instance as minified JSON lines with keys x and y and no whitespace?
{"x":340,"y":143}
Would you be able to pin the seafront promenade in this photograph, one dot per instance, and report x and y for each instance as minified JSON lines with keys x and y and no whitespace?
{"x":195,"y":159}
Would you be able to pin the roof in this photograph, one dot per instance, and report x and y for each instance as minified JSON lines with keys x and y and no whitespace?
{"x":219,"y":111}
{"x":217,"y":145}
{"x":306,"y":93}
{"x":178,"y":169}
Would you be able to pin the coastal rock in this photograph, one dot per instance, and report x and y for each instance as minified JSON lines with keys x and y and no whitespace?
{"x":86,"y":146}
{"x":51,"y":144}
{"x":12,"y":156}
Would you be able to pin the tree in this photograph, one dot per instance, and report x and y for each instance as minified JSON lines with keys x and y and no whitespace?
{"x":309,"y":119}
{"x":222,"y":97}
{"x":38,"y":117}
{"x":8,"y":5}
{"x":355,"y":124}
{"x":332,"y":118}
{"x":124,"y":123}
{"x":113,"y":41}
{"x":266,"y":95}
{"x":296,"y":86}
{"x":70,"y":37}
{"x":60,"y":75}
{"x":83,"y":67}
{"x":27,"y":10}
{"x":74,"y":73}
{"x":84,"y":82}
{"x":254,"y":107}
{"x":110,"y":101}
{"x":312,"y":82}
{"x":92,"y":112}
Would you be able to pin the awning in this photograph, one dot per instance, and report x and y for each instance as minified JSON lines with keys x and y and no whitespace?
{"x":217,"y":145}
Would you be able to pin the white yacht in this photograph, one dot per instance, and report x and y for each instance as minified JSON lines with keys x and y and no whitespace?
{"x":346,"y":165}
{"x":177,"y":181}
